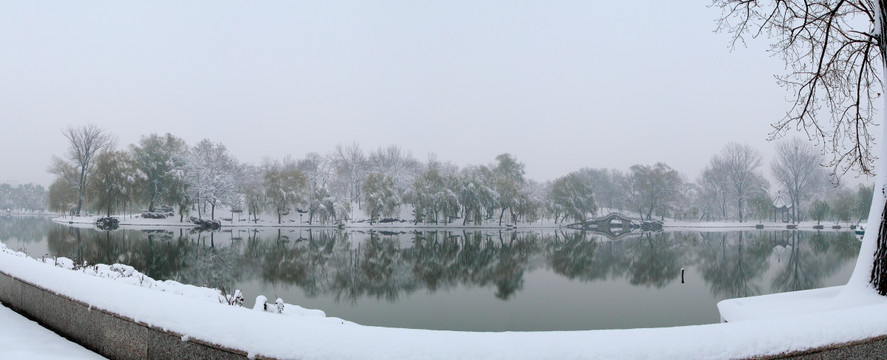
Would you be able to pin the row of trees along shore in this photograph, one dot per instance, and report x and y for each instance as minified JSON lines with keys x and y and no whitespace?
{"x":836,"y":55}
{"x":23,"y":198}
{"x":162,"y":170}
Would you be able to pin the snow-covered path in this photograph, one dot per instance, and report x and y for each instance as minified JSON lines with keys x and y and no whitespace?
{"x":21,"y":338}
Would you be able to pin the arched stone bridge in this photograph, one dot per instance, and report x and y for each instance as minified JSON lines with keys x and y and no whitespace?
{"x":615,"y":225}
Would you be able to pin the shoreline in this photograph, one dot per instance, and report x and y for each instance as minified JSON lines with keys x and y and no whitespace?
{"x":136,"y":222}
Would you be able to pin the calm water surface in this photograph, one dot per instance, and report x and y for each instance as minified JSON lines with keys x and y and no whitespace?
{"x":469,"y":280}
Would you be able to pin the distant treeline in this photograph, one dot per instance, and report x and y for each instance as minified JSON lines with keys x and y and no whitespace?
{"x":23,"y":198}
{"x":389,"y":182}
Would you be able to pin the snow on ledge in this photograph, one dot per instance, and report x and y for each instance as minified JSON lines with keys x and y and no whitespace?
{"x":272,"y":335}
{"x":798,"y":303}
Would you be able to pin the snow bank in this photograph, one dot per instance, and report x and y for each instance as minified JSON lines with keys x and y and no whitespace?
{"x":798,"y":303}
{"x":317,"y":337}
{"x":129,"y":275}
{"x":21,"y":338}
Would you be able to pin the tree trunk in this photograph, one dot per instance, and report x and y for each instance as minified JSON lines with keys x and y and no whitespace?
{"x":739,"y":206}
{"x":878,"y":276}
{"x":879,"y":268}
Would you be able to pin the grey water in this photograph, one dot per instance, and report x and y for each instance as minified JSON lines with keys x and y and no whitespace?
{"x":484,"y":280}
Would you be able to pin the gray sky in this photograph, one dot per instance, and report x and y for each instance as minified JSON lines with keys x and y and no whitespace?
{"x":561,"y":85}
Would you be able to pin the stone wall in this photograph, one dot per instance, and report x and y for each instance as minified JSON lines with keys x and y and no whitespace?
{"x":118,"y":337}
{"x":111,"y":335}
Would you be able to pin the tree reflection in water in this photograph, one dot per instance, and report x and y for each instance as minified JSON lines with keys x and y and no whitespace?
{"x":805,"y":266}
{"x":349,"y":265}
{"x":732,"y":263}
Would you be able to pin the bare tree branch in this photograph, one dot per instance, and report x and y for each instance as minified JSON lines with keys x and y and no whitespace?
{"x":830,"y":47}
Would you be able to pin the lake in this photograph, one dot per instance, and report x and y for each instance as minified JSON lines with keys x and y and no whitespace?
{"x":475,"y":280}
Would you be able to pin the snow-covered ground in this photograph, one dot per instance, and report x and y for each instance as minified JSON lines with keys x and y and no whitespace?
{"x":305,"y":334}
{"x":21,"y":338}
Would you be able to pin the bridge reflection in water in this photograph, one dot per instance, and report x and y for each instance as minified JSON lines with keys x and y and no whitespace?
{"x":615,"y":225}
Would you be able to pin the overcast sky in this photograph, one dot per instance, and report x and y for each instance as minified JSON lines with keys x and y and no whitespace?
{"x":561,"y":85}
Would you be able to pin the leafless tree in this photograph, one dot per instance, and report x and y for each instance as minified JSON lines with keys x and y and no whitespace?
{"x":714,"y":184}
{"x":350,"y":163}
{"x":836,"y":51}
{"x":739,"y":164}
{"x":797,"y":169}
{"x":832,"y":50}
{"x":84,"y":143}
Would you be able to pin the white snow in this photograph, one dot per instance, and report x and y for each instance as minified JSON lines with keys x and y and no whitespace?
{"x":319,"y":337}
{"x":21,"y":338}
{"x":798,"y":303}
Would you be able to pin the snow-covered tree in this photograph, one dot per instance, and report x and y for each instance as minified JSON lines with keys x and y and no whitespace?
{"x":713,"y":187}
{"x":530,"y":202}
{"x":819,"y":210}
{"x":837,"y":52}
{"x":739,"y":163}
{"x":156,"y":158}
{"x":797,"y":170}
{"x":399,"y":164}
{"x":350,"y":169}
{"x":863,"y":201}
{"x":572,"y":196}
{"x":316,"y":170}
{"x":509,"y":181}
{"x":434,"y":194}
{"x":62,"y":196}
{"x":476,"y":193}
{"x":210,"y":172}
{"x":84,"y":143}
{"x":760,"y":206}
{"x":380,"y":196}
{"x":841,"y":205}
{"x":178,"y":186}
{"x":113,"y":180}
{"x":284,"y":188}
{"x":251,"y":187}
{"x":652,"y":188}
{"x":607,"y":184}
{"x":23,"y":197}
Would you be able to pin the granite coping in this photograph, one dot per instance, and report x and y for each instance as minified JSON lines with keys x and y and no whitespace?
{"x":111,"y":335}
{"x":119,"y":337}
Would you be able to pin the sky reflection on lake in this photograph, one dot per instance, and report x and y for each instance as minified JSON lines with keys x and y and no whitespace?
{"x":470,"y":280}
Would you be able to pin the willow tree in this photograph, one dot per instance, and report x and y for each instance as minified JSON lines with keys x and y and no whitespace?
{"x":84,"y":143}
{"x":835,"y":52}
